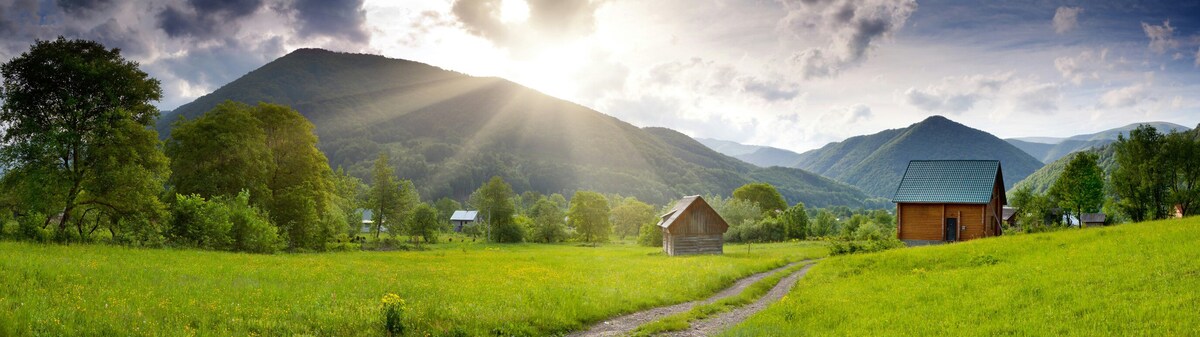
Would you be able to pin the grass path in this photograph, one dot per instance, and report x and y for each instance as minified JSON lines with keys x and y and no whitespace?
{"x":716,"y":324}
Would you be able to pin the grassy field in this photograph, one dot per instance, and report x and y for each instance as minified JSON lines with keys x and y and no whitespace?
{"x":1130,"y":280}
{"x":459,"y":289}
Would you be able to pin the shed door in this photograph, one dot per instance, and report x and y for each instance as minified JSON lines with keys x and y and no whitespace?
{"x":951,"y":231}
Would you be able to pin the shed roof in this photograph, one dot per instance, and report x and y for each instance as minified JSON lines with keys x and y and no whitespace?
{"x":1092,"y":217}
{"x":674,"y":213}
{"x":1007,"y":213}
{"x":464,"y":216}
{"x":949,"y":181}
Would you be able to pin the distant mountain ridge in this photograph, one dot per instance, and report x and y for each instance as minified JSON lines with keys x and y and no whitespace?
{"x":1050,"y":152}
{"x":761,"y":156}
{"x":875,"y":163}
{"x":450,"y":132}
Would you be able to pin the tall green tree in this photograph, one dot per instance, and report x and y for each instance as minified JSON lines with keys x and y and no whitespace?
{"x":300,"y":178}
{"x":795,"y":219}
{"x":589,"y":215}
{"x":349,"y":194}
{"x":1182,"y":160}
{"x":1080,"y":186}
{"x":63,"y":100}
{"x":446,"y":208}
{"x":548,"y":225}
{"x":384,"y":196}
{"x":423,"y":223}
{"x":221,"y":153}
{"x":1140,"y":179}
{"x":763,"y":194}
{"x":825,"y":224}
{"x":629,"y":216}
{"x":494,"y":201}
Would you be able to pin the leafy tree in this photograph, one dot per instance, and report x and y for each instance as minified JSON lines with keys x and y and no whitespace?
{"x":250,"y":229}
{"x":589,"y":215}
{"x":228,"y":132}
{"x":494,"y":201}
{"x":650,"y":235}
{"x":300,"y":177}
{"x":424,"y":223}
{"x":64,"y":101}
{"x":1140,"y":180}
{"x":407,"y":201}
{"x":825,"y":224}
{"x":349,"y":193}
{"x":1034,"y":212}
{"x":763,"y":194}
{"x":199,"y":223}
{"x":384,"y":196}
{"x":559,"y":200}
{"x":795,"y":220}
{"x":1080,"y":187}
{"x":738,"y":211}
{"x":1182,"y":160}
{"x":629,"y":216}
{"x":548,"y":225}
{"x":446,"y":208}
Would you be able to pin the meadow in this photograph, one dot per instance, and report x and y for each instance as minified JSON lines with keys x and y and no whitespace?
{"x":452,"y":289}
{"x":1138,"y":279}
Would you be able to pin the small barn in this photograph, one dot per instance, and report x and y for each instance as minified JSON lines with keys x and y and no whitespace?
{"x":1009,"y":216}
{"x":941,"y":201}
{"x":1092,"y":219}
{"x":693,"y":227}
{"x":463,"y":218}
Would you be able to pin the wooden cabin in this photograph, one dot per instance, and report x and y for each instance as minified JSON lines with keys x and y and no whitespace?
{"x":1092,"y":219}
{"x":942,"y":201}
{"x":693,"y":227}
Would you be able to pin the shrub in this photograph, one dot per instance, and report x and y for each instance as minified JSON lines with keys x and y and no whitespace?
{"x":841,"y":246}
{"x":650,"y":235}
{"x":199,"y":223}
{"x":251,"y":231}
{"x":30,"y":228}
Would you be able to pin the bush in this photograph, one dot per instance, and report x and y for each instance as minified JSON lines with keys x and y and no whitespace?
{"x":30,"y":228}
{"x":650,"y":235}
{"x":251,"y":230}
{"x":845,"y":246}
{"x":199,"y":223}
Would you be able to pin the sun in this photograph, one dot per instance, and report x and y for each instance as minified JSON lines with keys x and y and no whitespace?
{"x":514,"y":11}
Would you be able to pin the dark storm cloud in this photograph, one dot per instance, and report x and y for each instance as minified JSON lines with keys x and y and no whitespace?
{"x":851,"y":27}
{"x":336,"y":19}
{"x":82,"y":6}
{"x":205,"y":19}
{"x":224,"y":62}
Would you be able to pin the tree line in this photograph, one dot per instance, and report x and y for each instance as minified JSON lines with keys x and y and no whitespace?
{"x":1153,"y":176}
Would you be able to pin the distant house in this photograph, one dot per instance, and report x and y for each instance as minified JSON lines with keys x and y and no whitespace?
{"x":463,"y":218}
{"x":1093,"y":219}
{"x":693,"y":227}
{"x":1008,"y":215}
{"x":949,"y":200}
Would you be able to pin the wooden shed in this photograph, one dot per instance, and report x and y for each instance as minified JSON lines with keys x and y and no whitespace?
{"x":693,"y":227}
{"x":1092,"y":219}
{"x":949,"y":200}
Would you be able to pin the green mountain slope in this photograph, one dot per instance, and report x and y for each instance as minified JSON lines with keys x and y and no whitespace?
{"x":449,"y":132}
{"x":1134,"y":279}
{"x":1049,"y":153}
{"x":1039,"y":181}
{"x":761,"y":156}
{"x":875,"y":163}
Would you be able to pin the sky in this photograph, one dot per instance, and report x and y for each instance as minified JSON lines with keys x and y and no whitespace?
{"x":793,"y":74}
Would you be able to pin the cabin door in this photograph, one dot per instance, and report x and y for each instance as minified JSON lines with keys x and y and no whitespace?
{"x":951,"y":231}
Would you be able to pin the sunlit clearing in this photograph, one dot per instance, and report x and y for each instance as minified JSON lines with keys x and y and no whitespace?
{"x":512,"y":11}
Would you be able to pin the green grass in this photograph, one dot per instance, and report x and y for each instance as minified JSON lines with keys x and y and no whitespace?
{"x":1131,"y":280}
{"x":454,"y":289}
{"x":683,"y":320}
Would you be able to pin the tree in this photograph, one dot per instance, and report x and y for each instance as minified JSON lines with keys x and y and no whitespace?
{"x":1080,"y":186}
{"x":63,"y":101}
{"x":763,"y":194}
{"x":300,"y":178}
{"x":494,"y":201}
{"x":384,"y":195}
{"x":230,"y":133}
{"x":825,"y":224}
{"x":1182,"y":160}
{"x":795,"y":220}
{"x":1139,"y":179}
{"x":446,"y":208}
{"x":650,"y":235}
{"x":548,"y":225}
{"x":589,"y":215}
{"x":423,"y":223}
{"x":349,"y":192}
{"x":738,"y":211}
{"x":629,"y":216}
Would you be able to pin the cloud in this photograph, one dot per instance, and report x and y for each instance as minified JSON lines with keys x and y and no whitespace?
{"x":342,"y":19}
{"x":1086,"y":66}
{"x":1197,"y":57}
{"x":849,"y":29}
{"x":852,"y":114}
{"x":1066,"y":19}
{"x":1162,"y":38}
{"x":549,"y":22}
{"x":205,"y":19}
{"x":1124,"y":97}
{"x":956,"y":95}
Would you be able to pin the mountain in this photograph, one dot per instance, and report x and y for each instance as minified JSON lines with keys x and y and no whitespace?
{"x":450,"y":132}
{"x":1051,"y":151}
{"x":875,"y":163}
{"x":1040,"y":181}
{"x":761,"y":156}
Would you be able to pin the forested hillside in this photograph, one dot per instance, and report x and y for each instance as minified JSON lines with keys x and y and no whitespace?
{"x":761,"y":156}
{"x":875,"y":163}
{"x":1051,"y":152}
{"x":449,"y":133}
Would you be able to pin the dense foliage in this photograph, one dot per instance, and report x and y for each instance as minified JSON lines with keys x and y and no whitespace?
{"x":589,"y":215}
{"x":762,"y":194}
{"x":1157,"y":173}
{"x":1080,"y":187}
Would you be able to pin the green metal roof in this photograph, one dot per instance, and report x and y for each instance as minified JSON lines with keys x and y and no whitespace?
{"x":948,"y":181}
